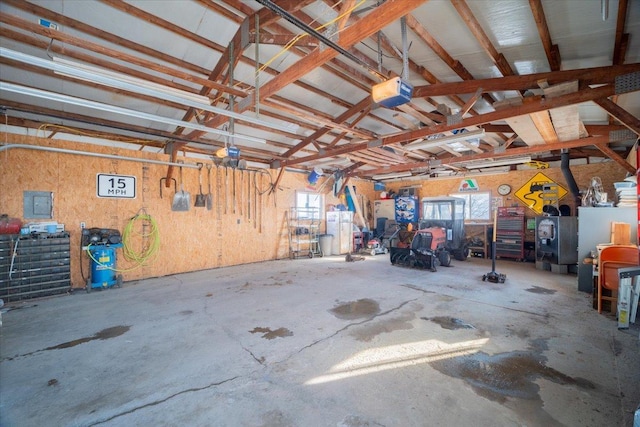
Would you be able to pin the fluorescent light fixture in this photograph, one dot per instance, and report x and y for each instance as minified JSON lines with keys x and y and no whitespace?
{"x":52,"y":96}
{"x":428,"y":143}
{"x":133,"y":84}
{"x":498,"y":162}
{"x":392,"y":176}
{"x":392,"y":93}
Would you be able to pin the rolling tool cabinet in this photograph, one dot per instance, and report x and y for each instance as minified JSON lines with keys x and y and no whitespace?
{"x":510,"y":232}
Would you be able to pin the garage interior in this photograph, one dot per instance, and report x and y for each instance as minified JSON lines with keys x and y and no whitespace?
{"x":221,"y":212}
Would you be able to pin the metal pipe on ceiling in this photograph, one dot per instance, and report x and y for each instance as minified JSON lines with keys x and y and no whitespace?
{"x":90,"y":154}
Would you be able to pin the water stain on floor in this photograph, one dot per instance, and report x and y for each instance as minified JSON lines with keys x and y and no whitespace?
{"x":370,"y":330}
{"x":505,"y":376}
{"x":541,"y":290}
{"x":271,"y":334}
{"x":19,"y":307}
{"x":521,"y":333}
{"x":276,"y":418}
{"x":450,"y":323}
{"x":359,"y":309}
{"x":104,"y":334}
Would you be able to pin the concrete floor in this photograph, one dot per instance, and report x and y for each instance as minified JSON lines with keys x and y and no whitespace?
{"x":321,"y":342}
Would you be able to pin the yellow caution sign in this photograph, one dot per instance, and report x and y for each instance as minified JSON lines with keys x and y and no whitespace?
{"x":536,"y":192}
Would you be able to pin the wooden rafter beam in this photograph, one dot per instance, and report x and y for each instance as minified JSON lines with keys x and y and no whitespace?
{"x":591,"y":129}
{"x":384,"y":15}
{"x":86,"y":126}
{"x":85,"y":44}
{"x":341,"y":136}
{"x":62,"y":50}
{"x":476,"y":29}
{"x":437,"y":48}
{"x":282,"y":40}
{"x":388,"y":46}
{"x":321,"y":121}
{"x":587,"y":76}
{"x":607,"y":151}
{"x":101,"y":34}
{"x":347,"y":72}
{"x":533,"y":105}
{"x":346,"y":10}
{"x":622,"y":38}
{"x":622,"y":115}
{"x":520,"y":151}
{"x":220,"y":10}
{"x":363,"y":104}
{"x":469,"y":104}
{"x":550,"y":49}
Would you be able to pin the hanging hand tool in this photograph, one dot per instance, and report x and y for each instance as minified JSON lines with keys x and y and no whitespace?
{"x":241,"y":184}
{"x":249,"y":195}
{"x":209,"y":195}
{"x":226,"y":189}
{"x":218,"y":195}
{"x":261,"y":206}
{"x":255,"y":202}
{"x":182,"y":199}
{"x":233,"y":171}
{"x":201,"y":201}
{"x":175,"y":187}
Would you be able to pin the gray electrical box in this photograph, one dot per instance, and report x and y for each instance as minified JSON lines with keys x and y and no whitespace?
{"x":38,"y":205}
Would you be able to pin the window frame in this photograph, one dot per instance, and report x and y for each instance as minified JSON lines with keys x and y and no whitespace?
{"x":487,"y":197}
{"x":303,"y":210}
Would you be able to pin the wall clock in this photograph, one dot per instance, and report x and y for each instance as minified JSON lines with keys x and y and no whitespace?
{"x":504,"y":189}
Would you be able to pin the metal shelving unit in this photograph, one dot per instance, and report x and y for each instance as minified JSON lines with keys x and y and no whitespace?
{"x":34,"y":265}
{"x":303,"y":225}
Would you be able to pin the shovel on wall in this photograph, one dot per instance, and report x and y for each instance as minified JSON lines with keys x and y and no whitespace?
{"x":182,"y":199}
{"x":209,"y":195}
{"x":200,"y":197}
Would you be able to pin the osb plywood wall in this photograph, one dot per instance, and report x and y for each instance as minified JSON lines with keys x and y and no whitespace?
{"x":608,"y":172}
{"x":229,"y":234}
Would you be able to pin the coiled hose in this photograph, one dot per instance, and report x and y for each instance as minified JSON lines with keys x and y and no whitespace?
{"x":151,"y":237}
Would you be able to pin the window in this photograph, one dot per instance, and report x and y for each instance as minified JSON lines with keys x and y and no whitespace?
{"x":309,"y":205}
{"x":477,"y":206}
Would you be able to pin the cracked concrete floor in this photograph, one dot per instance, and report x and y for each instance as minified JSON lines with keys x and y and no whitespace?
{"x":321,"y":342}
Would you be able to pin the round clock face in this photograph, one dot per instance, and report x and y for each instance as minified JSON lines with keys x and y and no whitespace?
{"x":504,"y":189}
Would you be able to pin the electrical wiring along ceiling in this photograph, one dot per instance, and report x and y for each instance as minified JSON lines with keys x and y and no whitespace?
{"x":292,"y":88}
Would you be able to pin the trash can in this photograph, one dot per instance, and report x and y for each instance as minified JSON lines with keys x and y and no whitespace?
{"x":326,"y":241}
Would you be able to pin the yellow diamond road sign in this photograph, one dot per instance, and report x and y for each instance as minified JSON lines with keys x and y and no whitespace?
{"x":533,"y":196}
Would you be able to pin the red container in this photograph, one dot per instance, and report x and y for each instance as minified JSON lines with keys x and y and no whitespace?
{"x":9,"y":225}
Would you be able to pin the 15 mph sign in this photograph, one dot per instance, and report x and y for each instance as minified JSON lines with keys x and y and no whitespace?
{"x":116,"y":186}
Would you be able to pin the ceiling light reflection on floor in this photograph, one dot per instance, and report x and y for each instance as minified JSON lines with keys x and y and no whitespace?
{"x":397,"y":356}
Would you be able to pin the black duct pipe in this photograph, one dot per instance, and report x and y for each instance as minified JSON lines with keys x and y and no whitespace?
{"x":568,"y":176}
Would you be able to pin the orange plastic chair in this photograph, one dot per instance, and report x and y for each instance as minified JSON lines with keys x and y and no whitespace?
{"x":610,"y":260}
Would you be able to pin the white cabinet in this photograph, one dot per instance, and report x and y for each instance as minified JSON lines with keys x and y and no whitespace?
{"x":340,"y":226}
